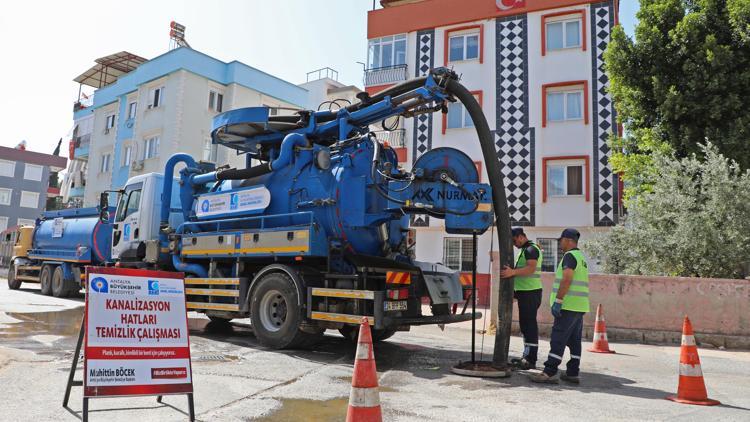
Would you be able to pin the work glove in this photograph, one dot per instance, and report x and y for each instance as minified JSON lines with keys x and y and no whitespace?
{"x":556,"y":309}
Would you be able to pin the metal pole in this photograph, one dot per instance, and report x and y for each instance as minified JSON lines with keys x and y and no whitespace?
{"x":473,"y":295}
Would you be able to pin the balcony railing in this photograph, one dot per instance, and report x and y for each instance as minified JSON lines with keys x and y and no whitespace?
{"x":386,"y":75}
{"x":395,"y":138}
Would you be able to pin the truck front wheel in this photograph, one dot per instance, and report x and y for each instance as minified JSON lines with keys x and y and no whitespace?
{"x":45,"y":279}
{"x":275,"y":316}
{"x":13,"y":283}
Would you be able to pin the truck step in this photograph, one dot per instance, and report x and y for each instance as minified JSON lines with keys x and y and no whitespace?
{"x":27,"y":278}
{"x":349,"y":319}
{"x":212,"y":292}
{"x":214,"y":306}
{"x":344,"y":293}
{"x":205,"y":281}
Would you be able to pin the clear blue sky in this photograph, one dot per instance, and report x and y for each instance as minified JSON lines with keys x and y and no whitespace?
{"x":44,"y":45}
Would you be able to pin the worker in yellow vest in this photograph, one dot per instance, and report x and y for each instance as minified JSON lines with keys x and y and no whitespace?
{"x":527,"y":290}
{"x":569,"y":302}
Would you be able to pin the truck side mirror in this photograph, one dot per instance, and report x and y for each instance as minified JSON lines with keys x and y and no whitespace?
{"x":104,"y":207}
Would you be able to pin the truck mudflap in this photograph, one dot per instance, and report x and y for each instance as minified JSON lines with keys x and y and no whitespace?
{"x":430,"y":319}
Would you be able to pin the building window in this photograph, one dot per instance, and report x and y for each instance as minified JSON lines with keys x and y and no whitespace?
{"x":156,"y":97}
{"x":151,"y":147}
{"x":5,"y":195}
{"x":387,"y":51}
{"x":209,"y":150}
{"x":132,"y":108}
{"x":457,"y":116}
{"x":464,"y":43}
{"x":3,"y":223}
{"x":110,"y":122}
{"x":565,"y":101}
{"x":105,"y":163}
{"x":272,"y":110}
{"x":25,"y":222}
{"x":127,"y":155}
{"x":29,"y":199}
{"x":563,"y":30}
{"x":33,"y":172}
{"x":564,"y":105}
{"x":565,"y":176}
{"x":457,"y":253}
{"x":552,"y":253}
{"x":215,"y":101}
{"x":7,"y":168}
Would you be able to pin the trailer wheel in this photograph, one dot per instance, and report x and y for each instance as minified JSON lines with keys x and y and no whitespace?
{"x":351,"y":333}
{"x":74,"y":286}
{"x":59,"y":286}
{"x":45,"y":279}
{"x":274,"y":315}
{"x":13,"y":283}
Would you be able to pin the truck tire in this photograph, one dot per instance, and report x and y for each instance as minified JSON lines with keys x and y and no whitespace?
{"x":275,"y":317}
{"x":74,"y":286}
{"x":59,"y":288}
{"x":351,"y":333}
{"x":13,"y":283}
{"x":45,"y":279}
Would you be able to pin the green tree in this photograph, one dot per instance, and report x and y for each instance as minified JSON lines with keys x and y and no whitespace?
{"x":695,"y":221}
{"x":684,"y":80}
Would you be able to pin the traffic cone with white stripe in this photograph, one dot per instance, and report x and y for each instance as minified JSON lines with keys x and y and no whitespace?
{"x":691,"y":388}
{"x":601,"y":344}
{"x":364,"y":399}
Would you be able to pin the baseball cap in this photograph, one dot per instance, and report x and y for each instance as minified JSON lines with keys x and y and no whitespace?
{"x":570,"y":234}
{"x":516,"y":231}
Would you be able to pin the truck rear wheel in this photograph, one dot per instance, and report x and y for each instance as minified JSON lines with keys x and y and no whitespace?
{"x":275,"y":316}
{"x":45,"y":279}
{"x":13,"y":283}
{"x":59,"y":285}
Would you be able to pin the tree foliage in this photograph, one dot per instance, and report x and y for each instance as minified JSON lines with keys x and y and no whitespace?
{"x":695,"y":221}
{"x":684,"y":80}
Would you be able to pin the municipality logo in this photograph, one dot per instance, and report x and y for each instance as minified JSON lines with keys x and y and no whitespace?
{"x":100,"y":285}
{"x":204,"y":205}
{"x":153,"y":288}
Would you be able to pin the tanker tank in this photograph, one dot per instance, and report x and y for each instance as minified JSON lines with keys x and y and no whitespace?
{"x":73,"y":235}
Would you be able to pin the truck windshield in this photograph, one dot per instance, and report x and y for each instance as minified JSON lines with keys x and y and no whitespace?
{"x":129,"y":203}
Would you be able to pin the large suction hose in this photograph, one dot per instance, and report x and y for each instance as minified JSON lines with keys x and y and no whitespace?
{"x":486,"y":141}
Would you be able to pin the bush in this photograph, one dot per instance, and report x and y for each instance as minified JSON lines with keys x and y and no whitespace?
{"x":694,"y":221}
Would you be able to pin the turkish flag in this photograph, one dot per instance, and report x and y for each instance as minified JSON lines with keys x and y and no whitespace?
{"x":509,"y":4}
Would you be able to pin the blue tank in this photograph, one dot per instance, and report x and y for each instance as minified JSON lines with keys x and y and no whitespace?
{"x":74,"y":235}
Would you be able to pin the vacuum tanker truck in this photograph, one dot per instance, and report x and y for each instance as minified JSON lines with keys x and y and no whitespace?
{"x":313,"y":234}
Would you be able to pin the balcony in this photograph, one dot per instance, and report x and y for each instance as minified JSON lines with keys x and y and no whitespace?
{"x":76,"y":192}
{"x":396,"y":139}
{"x":81,"y":143}
{"x":386,"y":75}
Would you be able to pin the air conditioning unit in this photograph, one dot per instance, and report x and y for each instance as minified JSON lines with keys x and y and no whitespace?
{"x":137,"y":165}
{"x":106,"y":131}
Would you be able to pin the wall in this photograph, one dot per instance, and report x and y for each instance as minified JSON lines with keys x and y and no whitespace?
{"x":650,"y":309}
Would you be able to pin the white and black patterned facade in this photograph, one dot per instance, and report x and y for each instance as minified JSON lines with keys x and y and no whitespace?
{"x":514,"y":139}
{"x":605,"y":181}
{"x":423,"y":123}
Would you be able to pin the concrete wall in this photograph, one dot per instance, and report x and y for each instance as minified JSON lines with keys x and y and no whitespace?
{"x":650,"y":309}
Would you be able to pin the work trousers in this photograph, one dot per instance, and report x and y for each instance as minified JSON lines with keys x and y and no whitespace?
{"x":566,"y":331}
{"x":528,"y":305}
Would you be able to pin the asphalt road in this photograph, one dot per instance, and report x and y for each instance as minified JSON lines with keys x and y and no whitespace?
{"x":237,"y":380}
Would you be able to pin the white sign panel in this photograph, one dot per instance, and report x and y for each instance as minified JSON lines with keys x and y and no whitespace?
{"x":239,"y":202}
{"x":57,"y":227}
{"x":136,"y":333}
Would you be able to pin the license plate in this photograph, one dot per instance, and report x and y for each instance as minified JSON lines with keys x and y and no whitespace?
{"x":396,"y":305}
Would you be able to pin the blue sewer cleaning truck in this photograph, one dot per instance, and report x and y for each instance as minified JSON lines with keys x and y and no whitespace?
{"x":313,"y":233}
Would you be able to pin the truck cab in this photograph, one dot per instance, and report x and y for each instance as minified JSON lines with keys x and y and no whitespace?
{"x":135,"y":235}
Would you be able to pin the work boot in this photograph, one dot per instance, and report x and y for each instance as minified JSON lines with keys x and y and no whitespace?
{"x":567,"y":378}
{"x":543,"y":378}
{"x":522,"y":364}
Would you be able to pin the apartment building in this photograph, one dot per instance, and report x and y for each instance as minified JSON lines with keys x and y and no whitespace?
{"x":25,"y":185}
{"x":155,"y":108}
{"x":536,"y":68}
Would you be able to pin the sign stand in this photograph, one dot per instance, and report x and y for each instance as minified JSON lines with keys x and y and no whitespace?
{"x":72,"y":382}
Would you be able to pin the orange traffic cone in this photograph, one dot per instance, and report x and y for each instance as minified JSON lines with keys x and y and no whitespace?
{"x":601,"y":344}
{"x":691,"y":388}
{"x":364,"y":399}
